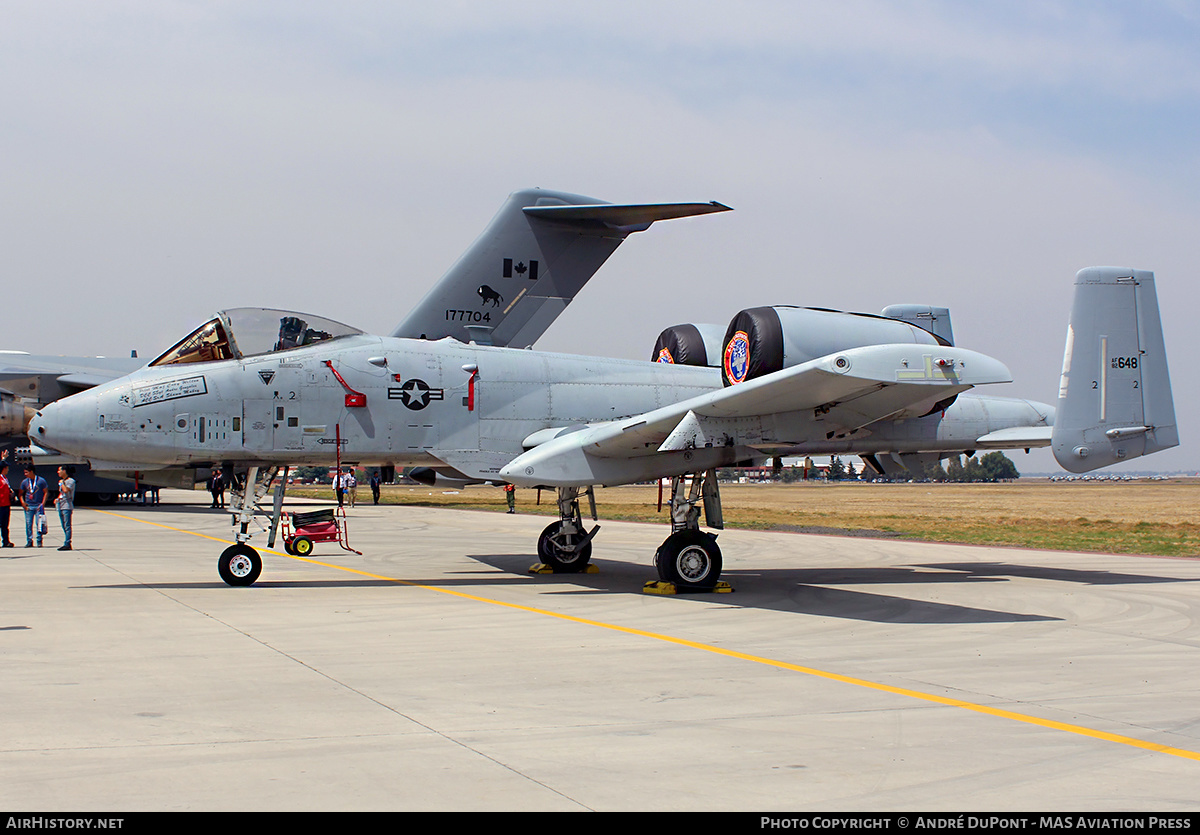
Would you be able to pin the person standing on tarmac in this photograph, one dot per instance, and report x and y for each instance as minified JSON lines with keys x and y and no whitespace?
{"x":5,"y":499}
{"x":65,"y":502}
{"x":216,"y":488}
{"x":33,"y":499}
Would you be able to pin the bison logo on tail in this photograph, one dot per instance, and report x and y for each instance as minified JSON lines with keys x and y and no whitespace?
{"x":489,"y":295}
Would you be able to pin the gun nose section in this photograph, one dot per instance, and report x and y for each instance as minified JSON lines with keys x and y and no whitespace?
{"x":36,"y":427}
{"x":46,"y":428}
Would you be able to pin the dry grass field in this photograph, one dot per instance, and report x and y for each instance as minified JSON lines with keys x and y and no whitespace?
{"x":1133,"y":517}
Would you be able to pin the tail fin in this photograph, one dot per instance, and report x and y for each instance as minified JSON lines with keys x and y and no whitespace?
{"x":527,"y":266}
{"x":1114,"y":400}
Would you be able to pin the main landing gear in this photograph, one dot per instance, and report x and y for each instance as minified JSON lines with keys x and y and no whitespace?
{"x":564,"y":546}
{"x":689,"y":559}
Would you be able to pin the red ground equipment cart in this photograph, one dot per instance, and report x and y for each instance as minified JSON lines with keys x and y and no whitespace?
{"x":302,"y":530}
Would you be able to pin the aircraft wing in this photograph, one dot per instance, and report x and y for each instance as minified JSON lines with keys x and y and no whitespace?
{"x":839,"y":393}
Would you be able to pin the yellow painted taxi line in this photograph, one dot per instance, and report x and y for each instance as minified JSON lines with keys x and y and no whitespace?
{"x":770,"y":662}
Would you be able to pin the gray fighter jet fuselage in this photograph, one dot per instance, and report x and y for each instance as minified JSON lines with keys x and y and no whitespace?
{"x":382,"y":400}
{"x":260,"y":389}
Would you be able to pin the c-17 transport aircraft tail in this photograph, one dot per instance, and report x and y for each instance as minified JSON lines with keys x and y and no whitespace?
{"x":245,"y":393}
{"x":532,"y":259}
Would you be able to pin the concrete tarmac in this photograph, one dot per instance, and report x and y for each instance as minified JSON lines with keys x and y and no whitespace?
{"x":436,"y":673}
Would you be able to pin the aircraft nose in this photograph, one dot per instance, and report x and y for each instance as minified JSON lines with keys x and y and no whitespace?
{"x":46,"y":428}
{"x":36,"y":428}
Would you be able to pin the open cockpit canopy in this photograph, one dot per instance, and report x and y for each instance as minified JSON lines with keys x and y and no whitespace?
{"x":252,"y":331}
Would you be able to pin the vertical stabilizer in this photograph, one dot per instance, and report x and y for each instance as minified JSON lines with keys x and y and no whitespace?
{"x":1114,"y":399}
{"x":530,"y":262}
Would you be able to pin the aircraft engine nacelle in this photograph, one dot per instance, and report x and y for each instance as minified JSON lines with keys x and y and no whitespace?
{"x":762,"y":340}
{"x":14,"y":416}
{"x":689,"y":345}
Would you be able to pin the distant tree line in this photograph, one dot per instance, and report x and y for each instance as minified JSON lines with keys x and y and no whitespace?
{"x":994,"y":466}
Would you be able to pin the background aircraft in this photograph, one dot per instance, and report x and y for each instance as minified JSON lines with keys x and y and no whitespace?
{"x":28,"y":381}
{"x":263,"y":389}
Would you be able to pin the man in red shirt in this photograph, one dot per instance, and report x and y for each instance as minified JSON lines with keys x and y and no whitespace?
{"x":5,"y":498}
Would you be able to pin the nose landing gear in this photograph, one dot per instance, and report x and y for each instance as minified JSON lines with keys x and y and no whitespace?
{"x":239,"y":564}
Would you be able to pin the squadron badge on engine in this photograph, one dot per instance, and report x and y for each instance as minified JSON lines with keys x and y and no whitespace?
{"x":737,"y":357}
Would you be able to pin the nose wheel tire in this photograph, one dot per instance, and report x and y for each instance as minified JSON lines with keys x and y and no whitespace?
{"x":689,"y":559}
{"x":239,"y":565}
{"x":553,"y":550}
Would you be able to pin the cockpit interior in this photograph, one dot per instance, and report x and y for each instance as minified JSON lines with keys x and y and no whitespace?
{"x":252,"y":331}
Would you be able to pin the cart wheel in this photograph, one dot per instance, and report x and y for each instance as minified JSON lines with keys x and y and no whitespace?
{"x":287,"y":547}
{"x":302,"y":546}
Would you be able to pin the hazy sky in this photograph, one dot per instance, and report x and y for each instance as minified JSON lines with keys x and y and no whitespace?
{"x":162,"y":160}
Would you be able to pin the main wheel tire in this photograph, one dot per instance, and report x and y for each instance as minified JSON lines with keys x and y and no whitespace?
{"x":561,"y":560}
{"x":302,"y":546}
{"x":689,"y":559}
{"x":239,"y":565}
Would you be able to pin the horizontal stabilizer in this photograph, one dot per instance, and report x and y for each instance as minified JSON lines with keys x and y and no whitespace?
{"x":1016,"y":437}
{"x":633,"y":217}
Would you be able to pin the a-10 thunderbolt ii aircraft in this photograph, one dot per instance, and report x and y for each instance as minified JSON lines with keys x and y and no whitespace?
{"x":257,"y":390}
{"x":506,"y":289}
